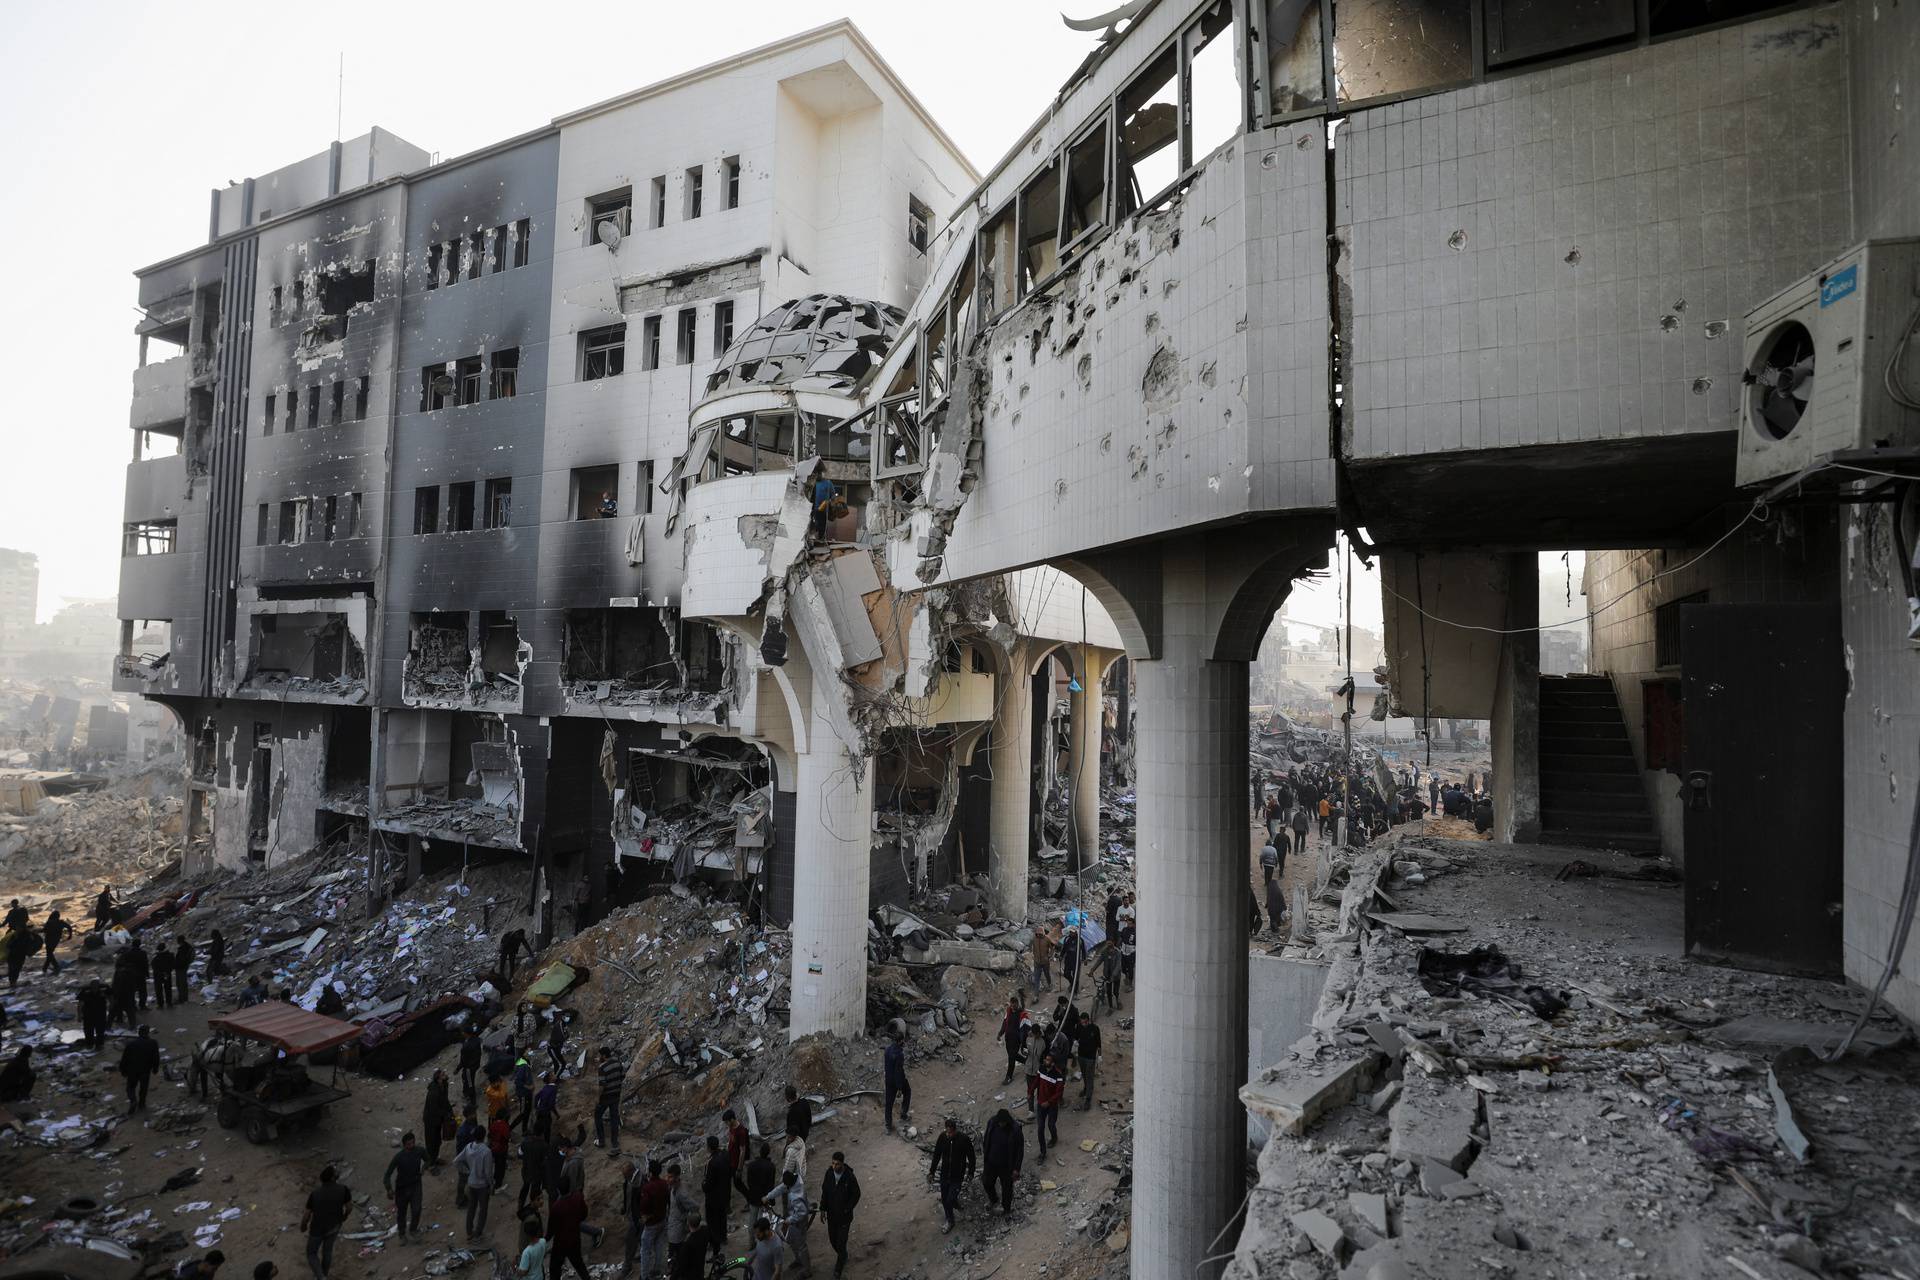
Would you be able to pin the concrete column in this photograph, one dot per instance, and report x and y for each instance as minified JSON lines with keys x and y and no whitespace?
{"x":833,"y":839}
{"x":1088,"y":709}
{"x":1515,"y":727}
{"x":1011,"y":789}
{"x":1190,"y":1048}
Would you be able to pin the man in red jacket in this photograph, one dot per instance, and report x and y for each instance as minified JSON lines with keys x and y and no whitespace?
{"x":564,"y":1225}
{"x":1046,"y":1097}
{"x":737,"y":1152}
{"x":1013,"y":1031}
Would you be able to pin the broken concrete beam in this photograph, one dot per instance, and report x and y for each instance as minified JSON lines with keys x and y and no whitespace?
{"x":975,"y":955}
{"x":1293,"y":1102}
{"x":1433,"y":1122}
{"x":1325,"y":1234}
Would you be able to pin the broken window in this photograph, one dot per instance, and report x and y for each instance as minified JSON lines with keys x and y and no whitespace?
{"x":433,"y":265}
{"x":505,"y":382}
{"x":650,"y":343}
{"x":360,"y":399}
{"x":997,"y":263}
{"x":522,"y":242}
{"x":476,"y":254}
{"x":453,"y":260}
{"x":1213,"y":115}
{"x":460,"y":507}
{"x":436,"y":387}
{"x":722,"y":327}
{"x":900,"y":446}
{"x":316,"y":647}
{"x":497,"y":248}
{"x":643,"y":490}
{"x":273,"y":307}
{"x":603,"y":352}
{"x":933,"y":356}
{"x":730,"y":171}
{"x":614,"y":212}
{"x":350,"y":528}
{"x":617,"y":646}
{"x":330,"y":519}
{"x":919,"y":224}
{"x":293,"y":408}
{"x":437,"y":656}
{"x":339,"y":289}
{"x":267,"y":423}
{"x":962,"y":309}
{"x":1391,"y":47}
{"x":499,"y":508}
{"x":1296,"y":74}
{"x":596,"y":493}
{"x":470,"y":378}
{"x":299,"y":297}
{"x":266,"y":519}
{"x":1084,"y":200}
{"x":499,"y":644}
{"x":1039,"y":225}
{"x":1150,"y":132}
{"x":426,"y":509}
{"x":150,"y":538}
{"x":337,"y":409}
{"x":657,"y":203}
{"x":1517,"y":30}
{"x":691,"y":193}
{"x":686,"y":330}
{"x":293,"y":522}
{"x":313,"y":406}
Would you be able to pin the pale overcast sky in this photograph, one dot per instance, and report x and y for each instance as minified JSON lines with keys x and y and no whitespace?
{"x":121,"y":117}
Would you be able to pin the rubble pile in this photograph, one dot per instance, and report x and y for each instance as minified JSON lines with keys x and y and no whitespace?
{"x":1494,"y":1074}
{"x":78,"y":836}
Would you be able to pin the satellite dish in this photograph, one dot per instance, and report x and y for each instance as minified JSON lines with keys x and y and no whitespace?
{"x":607,"y":233}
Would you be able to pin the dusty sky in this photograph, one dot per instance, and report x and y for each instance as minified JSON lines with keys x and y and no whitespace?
{"x":121,"y":117}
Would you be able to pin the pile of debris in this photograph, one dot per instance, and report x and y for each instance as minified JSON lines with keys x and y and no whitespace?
{"x":85,"y":828}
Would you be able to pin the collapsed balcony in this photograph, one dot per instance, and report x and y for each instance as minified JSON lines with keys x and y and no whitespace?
{"x":644,"y":658}
{"x":308,"y":650}
{"x":451,"y":776}
{"x":707,"y":807}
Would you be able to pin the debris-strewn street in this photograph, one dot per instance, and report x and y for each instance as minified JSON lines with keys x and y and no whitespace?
{"x":1513,"y":1072}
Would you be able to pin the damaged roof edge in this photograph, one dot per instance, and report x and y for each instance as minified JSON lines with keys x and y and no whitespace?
{"x":838,"y":27}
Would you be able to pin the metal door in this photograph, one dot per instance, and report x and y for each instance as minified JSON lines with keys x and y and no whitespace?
{"x":1763,"y":687}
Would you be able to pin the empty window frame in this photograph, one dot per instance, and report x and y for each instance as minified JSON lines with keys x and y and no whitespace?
{"x":504,"y":382}
{"x":1295,"y":37}
{"x":650,"y":343}
{"x":273,"y":307}
{"x":1149,"y":133}
{"x":961,"y":308}
{"x":933,"y":360}
{"x":522,"y":242}
{"x":299,"y":298}
{"x":1039,"y":227}
{"x":453,"y":261}
{"x":730,"y":177}
{"x":686,"y":330}
{"x":596,"y":493}
{"x":293,"y":408}
{"x":498,"y":513}
{"x":1083,"y":195}
{"x":360,"y":395}
{"x":476,"y":254}
{"x":470,"y":375}
{"x":266,"y":420}
{"x":350,"y":520}
{"x":919,"y":224}
{"x":436,"y":387}
{"x":293,"y":522}
{"x":329,"y":518}
{"x":313,"y":406}
{"x":603,"y":352}
{"x":264,"y":527}
{"x":1519,"y":30}
{"x":657,"y":202}
{"x":337,"y":405}
{"x":460,"y":507}
{"x":1387,"y":48}
{"x":614,"y":211}
{"x":643,"y":489}
{"x":426,"y":509}
{"x":497,"y":248}
{"x":722,"y":327}
{"x":1213,"y":115}
{"x":434,"y":253}
{"x":150,"y":538}
{"x":999,"y":263}
{"x":691,"y":192}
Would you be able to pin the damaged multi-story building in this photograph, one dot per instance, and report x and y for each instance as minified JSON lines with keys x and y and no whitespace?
{"x":1466,"y":280}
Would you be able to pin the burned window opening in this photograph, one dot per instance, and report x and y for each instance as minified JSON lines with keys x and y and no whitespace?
{"x":919,"y":224}
{"x":460,"y":507}
{"x":313,"y":406}
{"x":650,"y":343}
{"x":469,"y":374}
{"x":476,"y":254}
{"x":703,"y":807}
{"x":360,"y":395}
{"x":337,"y":408}
{"x":294,"y":526}
{"x":434,"y":252}
{"x":620,"y":655}
{"x":151,"y":538}
{"x":595,"y":493}
{"x":1296,"y":69}
{"x":312,"y":652}
{"x":437,"y":387}
{"x":342,"y":290}
{"x":426,"y":509}
{"x":522,"y":242}
{"x":266,"y":425}
{"x":438,"y":656}
{"x":498,"y":512}
{"x":293,"y":408}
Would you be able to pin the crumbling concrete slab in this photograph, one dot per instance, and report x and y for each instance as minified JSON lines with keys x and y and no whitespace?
{"x":1294,"y":1100}
{"x":1371,"y":1209}
{"x":974,"y":955}
{"x":1434,"y":1121}
{"x":1326,"y":1235}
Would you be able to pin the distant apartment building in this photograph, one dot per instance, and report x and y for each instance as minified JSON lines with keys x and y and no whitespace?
{"x":19,"y":598}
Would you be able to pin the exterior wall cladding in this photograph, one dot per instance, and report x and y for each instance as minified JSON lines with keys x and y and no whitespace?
{"x":405,"y":417}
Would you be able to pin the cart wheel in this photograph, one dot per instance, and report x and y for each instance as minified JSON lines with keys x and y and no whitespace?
{"x":258,"y":1130}
{"x":228,"y":1112}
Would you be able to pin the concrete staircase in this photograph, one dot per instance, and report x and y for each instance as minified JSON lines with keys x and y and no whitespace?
{"x":1590,"y":790}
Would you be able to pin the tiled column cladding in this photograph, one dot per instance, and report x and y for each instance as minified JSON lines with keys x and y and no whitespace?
{"x":833,"y":791}
{"x":1190,"y":1049}
{"x":1087,"y":715}
{"x":1011,"y":789}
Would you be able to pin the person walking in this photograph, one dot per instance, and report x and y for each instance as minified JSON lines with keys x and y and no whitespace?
{"x":534,"y":1150}
{"x":470,"y":1053}
{"x":522,"y":1080}
{"x":22,"y":942}
{"x":1003,"y":1149}
{"x":1071,"y":954}
{"x":557,"y":1043}
{"x":894,"y":1062}
{"x":160,"y":969}
{"x":1301,"y":825}
{"x":138,"y":1061}
{"x":652,"y":1204}
{"x":716,"y":1189}
{"x":566,"y":1223}
{"x":511,"y":947}
{"x":1051,"y":1087}
{"x":329,"y":1206}
{"x":681,"y":1206}
{"x":769,"y":1254}
{"x":760,"y":1178}
{"x":613,"y":1079}
{"x":533,"y":1252}
{"x":799,"y":1113}
{"x":1086,"y":1043}
{"x":1269,"y":859}
{"x":1044,"y":945}
{"x":1013,"y":1033}
{"x":691,"y":1262}
{"x":404,"y":1183}
{"x":216,"y":954}
{"x":839,"y":1194}
{"x":474,"y":1165}
{"x":126,"y":980}
{"x":498,"y":1137}
{"x":738,"y":1140}
{"x":1276,"y":903}
{"x":546,"y":1104}
{"x":796,"y":1215}
{"x":953,"y":1165}
{"x":436,"y":1117}
{"x":103,"y":907}
{"x":93,"y":1014}
{"x":182,"y":961}
{"x":52,"y":933}
{"x":1113,"y":969}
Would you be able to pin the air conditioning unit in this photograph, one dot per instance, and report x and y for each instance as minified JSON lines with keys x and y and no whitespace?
{"x":1829,"y":360}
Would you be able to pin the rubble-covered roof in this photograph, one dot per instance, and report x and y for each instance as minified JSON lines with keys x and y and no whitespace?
{"x":822,"y":335}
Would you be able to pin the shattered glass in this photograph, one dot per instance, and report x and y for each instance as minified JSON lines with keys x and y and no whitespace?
{"x":834,"y":340}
